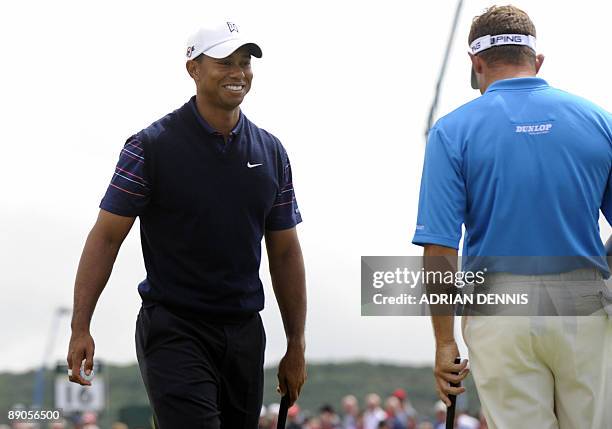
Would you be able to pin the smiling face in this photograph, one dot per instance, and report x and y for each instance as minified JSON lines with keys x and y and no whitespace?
{"x":223,"y":82}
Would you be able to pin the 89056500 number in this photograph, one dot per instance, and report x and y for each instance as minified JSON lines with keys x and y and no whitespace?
{"x":34,"y":416}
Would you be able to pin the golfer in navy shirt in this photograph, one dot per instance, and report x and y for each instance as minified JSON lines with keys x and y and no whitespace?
{"x":207,"y":185}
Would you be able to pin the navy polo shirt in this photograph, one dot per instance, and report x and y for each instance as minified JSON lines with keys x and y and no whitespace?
{"x":526,"y":168}
{"x":204,"y":205}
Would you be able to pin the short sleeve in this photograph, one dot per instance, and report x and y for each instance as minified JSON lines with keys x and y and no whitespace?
{"x":128,"y":192}
{"x":284,"y":213}
{"x":606,"y":202}
{"x":442,"y":198}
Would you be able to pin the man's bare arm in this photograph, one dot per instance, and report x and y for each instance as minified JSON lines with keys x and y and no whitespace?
{"x":437,"y":258}
{"x":95,"y":267}
{"x":289,"y":283}
{"x":440,"y":258}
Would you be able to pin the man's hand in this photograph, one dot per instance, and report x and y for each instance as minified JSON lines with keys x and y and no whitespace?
{"x":81,"y":347}
{"x":292,"y":373}
{"x":446,"y":370}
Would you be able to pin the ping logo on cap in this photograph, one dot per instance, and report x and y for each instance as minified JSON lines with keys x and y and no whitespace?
{"x":190,"y":50}
{"x":232,"y":27}
{"x":507,"y":38}
{"x":490,"y":41}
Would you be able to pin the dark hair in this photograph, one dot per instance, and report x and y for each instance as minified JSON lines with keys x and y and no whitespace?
{"x":504,"y":20}
{"x":326,"y":408}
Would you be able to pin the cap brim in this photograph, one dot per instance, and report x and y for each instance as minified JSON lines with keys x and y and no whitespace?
{"x":225,"y":49}
{"x":474,"y":80}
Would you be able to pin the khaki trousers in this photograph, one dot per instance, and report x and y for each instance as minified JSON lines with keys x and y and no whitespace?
{"x":544,"y":372}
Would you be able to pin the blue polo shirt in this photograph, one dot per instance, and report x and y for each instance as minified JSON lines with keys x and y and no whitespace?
{"x":526,"y":169}
{"x":204,"y":205}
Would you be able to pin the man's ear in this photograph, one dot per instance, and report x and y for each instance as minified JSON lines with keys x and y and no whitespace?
{"x":476,"y":63}
{"x":193,"y":69}
{"x":538,"y":62}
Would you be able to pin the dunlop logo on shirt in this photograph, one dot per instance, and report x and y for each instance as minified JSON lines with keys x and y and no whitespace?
{"x":534,"y":129}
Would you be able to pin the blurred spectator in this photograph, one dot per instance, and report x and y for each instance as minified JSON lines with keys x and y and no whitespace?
{"x":328,"y":417}
{"x":426,"y":425}
{"x":440,"y":415}
{"x":465,"y":421}
{"x":351,"y":410}
{"x":89,"y":420}
{"x":395,"y":415}
{"x":407,"y":410}
{"x":411,"y":422}
{"x":263,"y":418}
{"x":313,"y":423}
{"x":383,"y":425}
{"x":393,"y":406}
{"x":272,"y":415}
{"x":373,"y":414}
{"x":293,"y":417}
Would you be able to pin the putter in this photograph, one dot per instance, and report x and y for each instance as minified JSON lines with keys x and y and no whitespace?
{"x":450,"y":412}
{"x":282,"y":412}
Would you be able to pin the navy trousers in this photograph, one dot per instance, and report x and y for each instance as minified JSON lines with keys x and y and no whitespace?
{"x":201,"y":373}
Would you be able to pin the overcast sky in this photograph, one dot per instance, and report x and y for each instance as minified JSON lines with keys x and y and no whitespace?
{"x":346,"y":86}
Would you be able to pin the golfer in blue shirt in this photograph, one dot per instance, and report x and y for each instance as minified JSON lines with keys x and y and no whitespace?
{"x":526,"y":169}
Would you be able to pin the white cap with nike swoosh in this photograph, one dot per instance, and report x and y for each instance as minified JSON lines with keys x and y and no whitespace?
{"x":219,"y":41}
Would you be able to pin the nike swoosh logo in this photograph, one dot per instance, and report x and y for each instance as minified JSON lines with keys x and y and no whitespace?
{"x":252,"y":165}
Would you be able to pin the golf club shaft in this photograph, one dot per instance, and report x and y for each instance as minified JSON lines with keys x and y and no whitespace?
{"x":282,"y":412}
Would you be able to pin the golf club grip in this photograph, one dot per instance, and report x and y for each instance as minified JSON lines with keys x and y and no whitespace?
{"x":450,"y":412}
{"x":282,"y":412}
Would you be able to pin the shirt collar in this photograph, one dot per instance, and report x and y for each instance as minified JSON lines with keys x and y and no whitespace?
{"x":207,"y":127}
{"x":519,"y":83}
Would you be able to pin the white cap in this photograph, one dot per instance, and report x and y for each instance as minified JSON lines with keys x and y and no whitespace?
{"x":219,"y":40}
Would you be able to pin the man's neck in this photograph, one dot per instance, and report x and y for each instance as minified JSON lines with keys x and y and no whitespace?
{"x":224,"y":121}
{"x":501,"y":73}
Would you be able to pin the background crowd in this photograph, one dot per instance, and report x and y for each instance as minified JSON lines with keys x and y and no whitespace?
{"x":396,"y":412}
